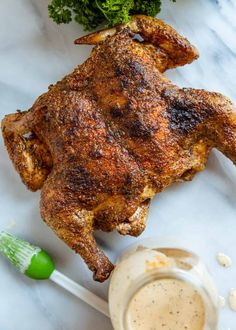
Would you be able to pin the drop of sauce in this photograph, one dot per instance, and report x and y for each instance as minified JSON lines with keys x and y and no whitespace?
{"x":224,"y":260}
{"x":232,"y":299}
{"x":221,"y":302}
{"x":166,"y":304}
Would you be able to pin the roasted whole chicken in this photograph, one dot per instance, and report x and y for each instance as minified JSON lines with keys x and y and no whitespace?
{"x":105,"y":139}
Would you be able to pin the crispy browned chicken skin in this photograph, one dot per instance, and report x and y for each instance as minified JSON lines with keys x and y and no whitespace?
{"x":102,"y":141}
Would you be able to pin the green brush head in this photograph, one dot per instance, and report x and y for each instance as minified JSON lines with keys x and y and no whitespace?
{"x":29,"y":259}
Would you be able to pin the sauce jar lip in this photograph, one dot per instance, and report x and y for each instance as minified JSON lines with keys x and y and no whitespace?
{"x":156,"y":244}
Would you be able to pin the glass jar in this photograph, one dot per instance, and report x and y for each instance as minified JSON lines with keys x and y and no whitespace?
{"x":159,"y":286}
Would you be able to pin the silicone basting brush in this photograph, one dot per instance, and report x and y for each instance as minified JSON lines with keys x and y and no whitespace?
{"x":36,"y":263}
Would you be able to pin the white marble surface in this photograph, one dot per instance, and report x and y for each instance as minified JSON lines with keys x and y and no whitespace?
{"x":35,"y":52}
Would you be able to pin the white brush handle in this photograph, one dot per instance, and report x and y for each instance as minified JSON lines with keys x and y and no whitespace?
{"x":80,"y":292}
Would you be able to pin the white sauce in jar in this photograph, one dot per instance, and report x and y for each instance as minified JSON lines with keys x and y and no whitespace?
{"x":166,"y":304}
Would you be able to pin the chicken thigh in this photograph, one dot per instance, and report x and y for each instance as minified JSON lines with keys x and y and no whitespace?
{"x":105,"y":139}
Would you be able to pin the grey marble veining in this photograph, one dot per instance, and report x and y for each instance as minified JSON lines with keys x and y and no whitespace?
{"x":35,"y":52}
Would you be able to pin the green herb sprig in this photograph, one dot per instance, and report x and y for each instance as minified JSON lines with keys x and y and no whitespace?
{"x":93,"y":13}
